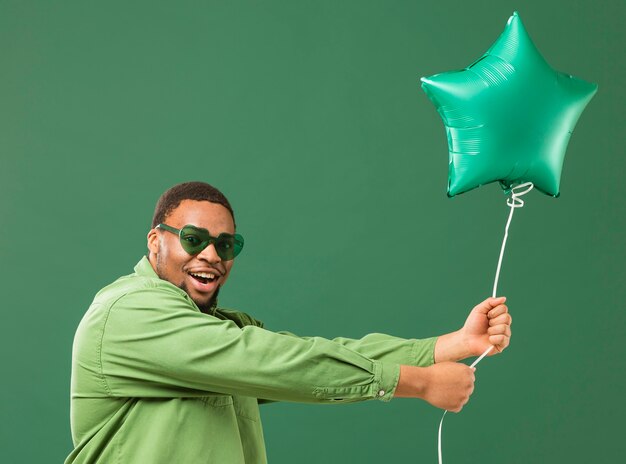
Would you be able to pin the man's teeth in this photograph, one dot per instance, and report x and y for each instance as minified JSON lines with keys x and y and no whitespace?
{"x":204,"y":275}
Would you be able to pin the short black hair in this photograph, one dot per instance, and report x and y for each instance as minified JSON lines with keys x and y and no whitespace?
{"x":199,"y":191}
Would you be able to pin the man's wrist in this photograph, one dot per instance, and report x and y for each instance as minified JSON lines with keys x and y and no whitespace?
{"x":412,"y":382}
{"x":451,"y":347}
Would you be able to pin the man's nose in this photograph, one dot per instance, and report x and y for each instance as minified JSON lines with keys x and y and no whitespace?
{"x":210,"y":254}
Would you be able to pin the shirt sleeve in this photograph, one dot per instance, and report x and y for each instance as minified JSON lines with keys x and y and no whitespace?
{"x":390,"y":349}
{"x":154,"y":344}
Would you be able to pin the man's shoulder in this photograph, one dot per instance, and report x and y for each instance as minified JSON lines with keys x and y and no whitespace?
{"x":129,"y":293}
{"x":135,"y":285}
{"x":127,"y":284}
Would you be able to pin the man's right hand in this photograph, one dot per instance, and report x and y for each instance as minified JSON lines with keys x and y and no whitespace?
{"x":446,"y":385}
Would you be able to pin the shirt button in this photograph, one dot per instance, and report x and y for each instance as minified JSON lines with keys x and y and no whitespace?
{"x":381,"y":392}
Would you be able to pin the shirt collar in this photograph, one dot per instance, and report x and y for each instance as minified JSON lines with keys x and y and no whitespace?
{"x":144,"y":268}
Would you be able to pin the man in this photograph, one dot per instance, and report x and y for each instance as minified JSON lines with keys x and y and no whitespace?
{"x":161,"y":374}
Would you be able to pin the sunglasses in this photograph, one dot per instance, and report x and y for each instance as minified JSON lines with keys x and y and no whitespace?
{"x":195,"y":239}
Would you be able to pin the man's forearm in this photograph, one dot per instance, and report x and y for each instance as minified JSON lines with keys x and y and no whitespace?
{"x":451,"y":347}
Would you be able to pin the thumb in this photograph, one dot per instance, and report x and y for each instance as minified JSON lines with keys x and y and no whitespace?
{"x":489,"y":304}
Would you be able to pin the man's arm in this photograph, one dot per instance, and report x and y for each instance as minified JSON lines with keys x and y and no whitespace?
{"x":489,"y":323}
{"x":388,"y":348}
{"x":153,"y":344}
{"x":384,"y":348}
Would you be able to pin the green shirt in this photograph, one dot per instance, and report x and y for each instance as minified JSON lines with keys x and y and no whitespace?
{"x":155,"y":380}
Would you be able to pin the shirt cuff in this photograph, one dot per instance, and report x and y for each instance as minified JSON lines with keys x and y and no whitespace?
{"x":388,"y":375}
{"x":424,"y":352}
{"x":382,"y":387}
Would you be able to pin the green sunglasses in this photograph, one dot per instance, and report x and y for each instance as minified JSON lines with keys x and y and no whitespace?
{"x":195,"y":239}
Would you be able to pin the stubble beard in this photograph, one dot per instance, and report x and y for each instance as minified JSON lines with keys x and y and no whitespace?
{"x":206,"y":308}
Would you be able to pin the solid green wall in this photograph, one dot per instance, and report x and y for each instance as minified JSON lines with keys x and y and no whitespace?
{"x":309,"y":116}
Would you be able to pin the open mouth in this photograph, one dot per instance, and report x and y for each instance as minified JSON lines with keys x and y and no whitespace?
{"x":204,"y":277}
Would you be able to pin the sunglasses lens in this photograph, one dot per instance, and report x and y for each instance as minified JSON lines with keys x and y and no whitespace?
{"x":224,"y":247}
{"x":228,"y":246}
{"x":191,"y":240}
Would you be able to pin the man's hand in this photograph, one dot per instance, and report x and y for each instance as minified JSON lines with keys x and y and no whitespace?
{"x":489,"y":323}
{"x":446,"y":385}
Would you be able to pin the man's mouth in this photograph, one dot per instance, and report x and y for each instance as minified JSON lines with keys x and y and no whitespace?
{"x":204,"y":277}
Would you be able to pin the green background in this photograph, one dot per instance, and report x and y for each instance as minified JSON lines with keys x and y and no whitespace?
{"x":310,"y":118}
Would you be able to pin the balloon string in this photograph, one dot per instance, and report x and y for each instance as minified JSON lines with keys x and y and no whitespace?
{"x":514,"y":202}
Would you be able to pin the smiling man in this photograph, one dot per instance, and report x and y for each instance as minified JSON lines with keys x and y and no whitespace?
{"x":172,"y":256}
{"x":162,"y":374}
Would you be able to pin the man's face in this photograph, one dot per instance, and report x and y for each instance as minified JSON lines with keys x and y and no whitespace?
{"x":172,"y":263}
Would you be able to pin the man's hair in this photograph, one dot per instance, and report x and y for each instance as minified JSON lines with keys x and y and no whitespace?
{"x":199,"y":191}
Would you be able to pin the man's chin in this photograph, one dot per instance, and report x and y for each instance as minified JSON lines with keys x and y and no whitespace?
{"x":206,"y":306}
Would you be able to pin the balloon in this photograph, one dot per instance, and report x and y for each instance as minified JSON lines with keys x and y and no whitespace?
{"x":508,"y":115}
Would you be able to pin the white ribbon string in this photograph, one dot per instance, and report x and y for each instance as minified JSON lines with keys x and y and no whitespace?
{"x":514,"y":202}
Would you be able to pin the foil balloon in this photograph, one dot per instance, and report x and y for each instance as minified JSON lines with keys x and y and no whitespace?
{"x":508,"y":116}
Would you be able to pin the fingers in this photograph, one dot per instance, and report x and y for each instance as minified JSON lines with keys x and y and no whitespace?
{"x":499,"y":327}
{"x":463,"y":401}
{"x":468,"y":392}
{"x":497,"y":311}
{"x":500,"y":342}
{"x":504,"y":318}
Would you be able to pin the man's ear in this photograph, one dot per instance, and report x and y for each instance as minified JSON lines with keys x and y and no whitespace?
{"x":153,"y":241}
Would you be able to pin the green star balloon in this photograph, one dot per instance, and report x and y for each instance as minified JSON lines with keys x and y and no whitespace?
{"x":508,"y":116}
